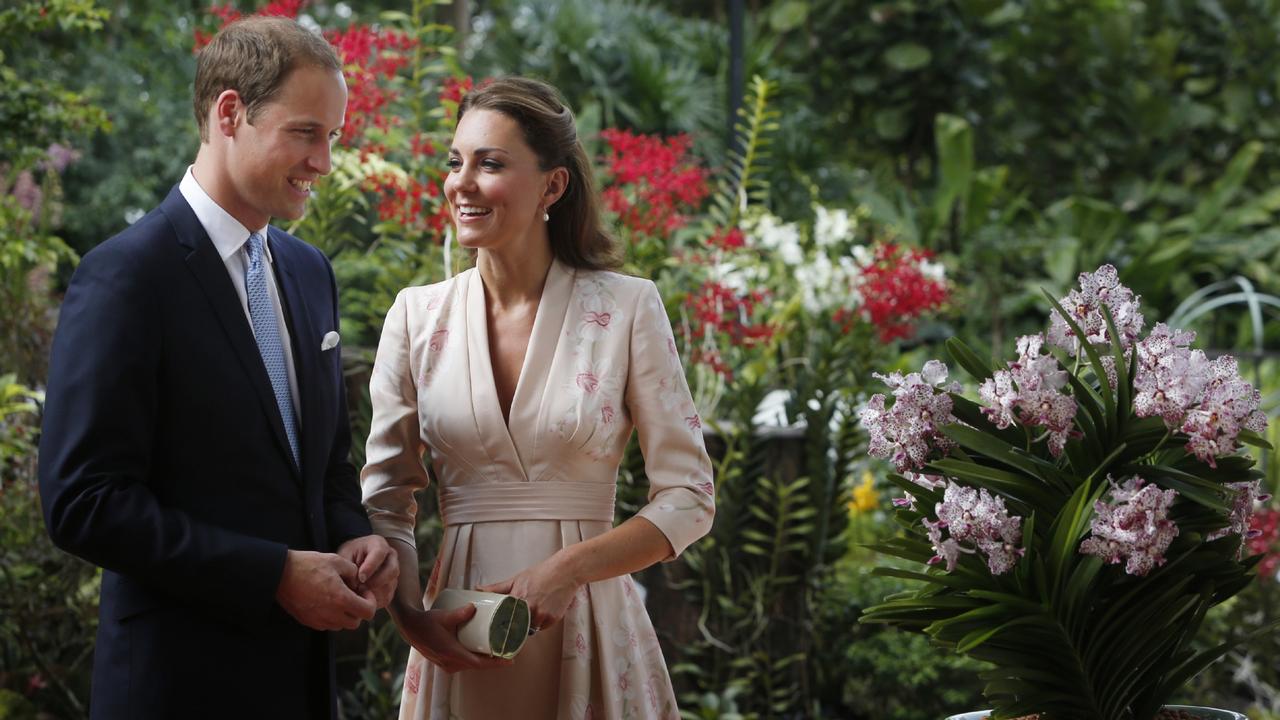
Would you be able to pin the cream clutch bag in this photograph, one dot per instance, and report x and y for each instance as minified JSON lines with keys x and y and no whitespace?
{"x":499,"y":627}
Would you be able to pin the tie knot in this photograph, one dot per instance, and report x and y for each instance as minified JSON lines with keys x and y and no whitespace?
{"x":254,"y":248}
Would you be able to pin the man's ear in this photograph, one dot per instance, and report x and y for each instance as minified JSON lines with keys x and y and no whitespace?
{"x":557,"y":183}
{"x":227,"y":112}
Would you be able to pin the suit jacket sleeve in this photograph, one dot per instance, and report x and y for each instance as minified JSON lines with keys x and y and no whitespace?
{"x":681,"y":495}
{"x":345,"y":517}
{"x":393,"y":469}
{"x":96,"y":451}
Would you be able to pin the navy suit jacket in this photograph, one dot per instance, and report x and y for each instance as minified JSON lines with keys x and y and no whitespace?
{"x":163,"y":460}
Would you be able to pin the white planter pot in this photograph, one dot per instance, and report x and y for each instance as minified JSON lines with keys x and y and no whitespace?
{"x":1205,"y":712}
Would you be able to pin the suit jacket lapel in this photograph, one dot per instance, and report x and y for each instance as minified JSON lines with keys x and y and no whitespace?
{"x":211,"y":273}
{"x":303,"y":336}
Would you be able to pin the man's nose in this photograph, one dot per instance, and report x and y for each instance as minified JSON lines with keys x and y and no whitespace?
{"x":321,"y":159}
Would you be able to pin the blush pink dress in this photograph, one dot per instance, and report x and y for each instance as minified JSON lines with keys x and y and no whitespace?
{"x":601,"y":360}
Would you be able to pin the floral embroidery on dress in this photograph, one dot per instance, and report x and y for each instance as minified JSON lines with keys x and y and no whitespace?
{"x":594,"y":392}
{"x":412,"y":677}
{"x":436,"y":343}
{"x":598,"y":305}
{"x":432,"y":302}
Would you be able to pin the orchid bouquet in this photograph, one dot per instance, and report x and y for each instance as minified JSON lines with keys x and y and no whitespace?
{"x":1078,"y":521}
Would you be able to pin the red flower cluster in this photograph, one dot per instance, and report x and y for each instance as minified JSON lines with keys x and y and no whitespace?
{"x":718,"y":311}
{"x":409,"y":202}
{"x":452,"y":93}
{"x":654,"y":182}
{"x":282,"y":8}
{"x":369,"y":56}
{"x":895,"y":292}
{"x":730,"y":239}
{"x":1266,"y":523}
{"x":228,"y":14}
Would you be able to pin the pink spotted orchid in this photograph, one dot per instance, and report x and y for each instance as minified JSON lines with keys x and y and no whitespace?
{"x":1032,"y":391}
{"x":1134,"y":528}
{"x":976,"y":521}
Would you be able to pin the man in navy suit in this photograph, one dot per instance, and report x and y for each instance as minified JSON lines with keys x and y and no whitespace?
{"x":195,"y":434}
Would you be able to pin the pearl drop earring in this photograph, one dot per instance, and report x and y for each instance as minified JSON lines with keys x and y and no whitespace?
{"x":545,"y":216}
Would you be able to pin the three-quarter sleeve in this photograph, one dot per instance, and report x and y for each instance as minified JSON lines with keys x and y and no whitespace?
{"x":681,"y":494}
{"x":394,"y":468}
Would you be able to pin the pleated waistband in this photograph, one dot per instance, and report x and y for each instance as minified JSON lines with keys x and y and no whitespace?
{"x":543,"y":500}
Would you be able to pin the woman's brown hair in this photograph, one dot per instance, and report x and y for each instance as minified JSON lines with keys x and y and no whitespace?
{"x":577,"y":237}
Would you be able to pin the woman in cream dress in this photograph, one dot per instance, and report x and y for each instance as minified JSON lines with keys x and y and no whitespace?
{"x":521,"y":380}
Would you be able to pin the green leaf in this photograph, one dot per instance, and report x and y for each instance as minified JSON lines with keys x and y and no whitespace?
{"x":907,"y":56}
{"x":788,"y":15}
{"x":1250,"y":437}
{"x":1020,"y":488}
{"x":954,"y":140}
{"x":939,"y":578}
{"x":966,"y":358}
{"x":891,"y":123}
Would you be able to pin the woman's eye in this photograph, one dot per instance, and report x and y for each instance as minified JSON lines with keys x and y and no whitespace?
{"x":454,"y":163}
{"x":491,"y":165}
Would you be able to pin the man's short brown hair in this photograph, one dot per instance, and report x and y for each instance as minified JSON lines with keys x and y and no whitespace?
{"x":253,"y":56}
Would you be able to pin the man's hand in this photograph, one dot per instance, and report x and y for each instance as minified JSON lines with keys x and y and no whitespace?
{"x":435,"y":634}
{"x":315,"y":589}
{"x":377,"y":568}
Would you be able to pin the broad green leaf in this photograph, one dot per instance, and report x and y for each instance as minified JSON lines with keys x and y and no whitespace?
{"x":966,"y":358}
{"x":907,"y":56}
{"x":788,"y":15}
{"x":1020,"y":488}
{"x":1250,"y":437}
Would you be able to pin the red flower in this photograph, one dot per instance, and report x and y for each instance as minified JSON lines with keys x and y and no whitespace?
{"x":370,"y":57}
{"x":282,"y":8}
{"x":717,"y":311}
{"x":1265,"y":528}
{"x":730,"y":239}
{"x":655,"y":183}
{"x":895,"y":291}
{"x":452,"y":92}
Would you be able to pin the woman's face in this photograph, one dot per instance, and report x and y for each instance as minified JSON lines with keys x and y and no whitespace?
{"x":495,"y":189}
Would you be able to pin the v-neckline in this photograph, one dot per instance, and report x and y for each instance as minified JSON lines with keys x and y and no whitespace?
{"x":504,"y":434}
{"x":490,"y":371}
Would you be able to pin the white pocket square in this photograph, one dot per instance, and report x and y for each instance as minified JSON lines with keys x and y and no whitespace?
{"x":330,"y":341}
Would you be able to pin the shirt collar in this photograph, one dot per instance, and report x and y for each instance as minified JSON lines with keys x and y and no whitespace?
{"x":227,"y":234}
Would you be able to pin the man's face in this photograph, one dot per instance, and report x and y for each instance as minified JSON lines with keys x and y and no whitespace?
{"x":272,"y":162}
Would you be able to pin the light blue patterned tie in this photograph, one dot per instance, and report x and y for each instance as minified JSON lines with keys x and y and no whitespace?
{"x":267,"y":333}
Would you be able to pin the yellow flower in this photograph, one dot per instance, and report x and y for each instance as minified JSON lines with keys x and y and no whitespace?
{"x":865,"y":497}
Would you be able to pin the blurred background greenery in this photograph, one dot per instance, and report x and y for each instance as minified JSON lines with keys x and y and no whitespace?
{"x":1012,"y":144}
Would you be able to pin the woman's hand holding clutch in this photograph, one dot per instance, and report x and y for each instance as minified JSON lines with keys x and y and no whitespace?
{"x":547,"y":587}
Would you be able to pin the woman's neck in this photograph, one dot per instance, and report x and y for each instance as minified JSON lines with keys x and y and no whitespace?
{"x":513,"y":279}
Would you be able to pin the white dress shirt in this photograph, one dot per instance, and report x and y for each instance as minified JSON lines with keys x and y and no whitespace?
{"x":229,"y":238}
